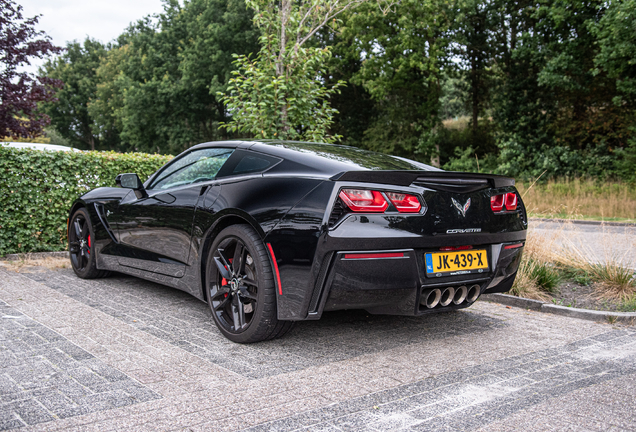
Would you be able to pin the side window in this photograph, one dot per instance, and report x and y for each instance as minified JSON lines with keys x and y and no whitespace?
{"x":252,"y":163}
{"x":246,"y":162}
{"x":197,"y":166}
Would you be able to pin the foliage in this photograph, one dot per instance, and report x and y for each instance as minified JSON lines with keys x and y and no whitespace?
{"x":616,"y":36}
{"x":626,"y":159}
{"x":549,"y":90}
{"x":474,"y":48}
{"x":257,"y":97}
{"x":402,"y":53}
{"x":76,"y":68}
{"x":454,"y":97}
{"x":20,"y":91}
{"x":549,"y":85}
{"x":155,"y":89}
{"x":280,"y":94}
{"x":40,"y":186}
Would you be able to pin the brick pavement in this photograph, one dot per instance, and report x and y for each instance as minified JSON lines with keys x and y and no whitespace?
{"x":147,"y":357}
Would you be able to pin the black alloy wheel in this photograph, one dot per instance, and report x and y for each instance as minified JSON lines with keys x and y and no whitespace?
{"x":240,"y":287}
{"x":80,"y":246}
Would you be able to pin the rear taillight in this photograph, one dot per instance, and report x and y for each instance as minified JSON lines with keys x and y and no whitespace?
{"x":511,"y":201}
{"x":370,"y":201}
{"x":507,"y":200}
{"x":362,"y":200}
{"x":497,"y":203}
{"x":405,"y":203}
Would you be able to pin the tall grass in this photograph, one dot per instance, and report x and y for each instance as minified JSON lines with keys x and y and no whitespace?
{"x":538,"y":275}
{"x":562,"y":255}
{"x":580,"y":198}
{"x":613,"y":275}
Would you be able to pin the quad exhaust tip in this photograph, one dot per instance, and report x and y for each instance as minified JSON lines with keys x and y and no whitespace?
{"x":431,"y":298}
{"x":447,"y":296}
{"x":444,"y":297}
{"x":460,"y":295}
{"x":473,"y":293}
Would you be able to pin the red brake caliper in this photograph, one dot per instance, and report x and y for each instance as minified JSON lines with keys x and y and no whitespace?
{"x":89,"y":244}
{"x":224,"y":281}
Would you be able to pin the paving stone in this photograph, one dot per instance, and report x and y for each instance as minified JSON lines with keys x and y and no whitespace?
{"x":30,"y":411}
{"x":44,"y":381}
{"x":460,"y":371}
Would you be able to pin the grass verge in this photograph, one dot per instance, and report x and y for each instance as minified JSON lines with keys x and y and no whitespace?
{"x":580,"y":199}
{"x":564,"y":257}
{"x":31,"y":264}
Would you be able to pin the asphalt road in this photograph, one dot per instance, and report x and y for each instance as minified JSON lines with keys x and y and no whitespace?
{"x":596,"y":243}
{"x":125,"y":354}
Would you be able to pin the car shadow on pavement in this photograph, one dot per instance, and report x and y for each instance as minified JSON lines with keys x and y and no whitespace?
{"x":182,"y":320}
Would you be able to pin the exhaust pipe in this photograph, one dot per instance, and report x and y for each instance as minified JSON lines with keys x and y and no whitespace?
{"x":447,"y":296}
{"x":473,"y":293}
{"x":431,"y":298}
{"x":460,"y":295}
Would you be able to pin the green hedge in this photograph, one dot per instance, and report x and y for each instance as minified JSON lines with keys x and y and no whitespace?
{"x":37,"y":189}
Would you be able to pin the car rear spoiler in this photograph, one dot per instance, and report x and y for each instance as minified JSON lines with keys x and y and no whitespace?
{"x":437,"y":180}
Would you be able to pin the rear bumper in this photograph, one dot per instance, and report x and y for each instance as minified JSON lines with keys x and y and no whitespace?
{"x":395,"y":281}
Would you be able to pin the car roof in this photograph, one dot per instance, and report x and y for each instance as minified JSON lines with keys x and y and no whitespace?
{"x":324,"y":158}
{"x":39,"y":146}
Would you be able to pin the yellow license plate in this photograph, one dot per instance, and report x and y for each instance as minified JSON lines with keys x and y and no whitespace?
{"x":455,"y":263}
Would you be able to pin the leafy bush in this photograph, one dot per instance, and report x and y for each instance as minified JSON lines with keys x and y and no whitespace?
{"x":38,"y":188}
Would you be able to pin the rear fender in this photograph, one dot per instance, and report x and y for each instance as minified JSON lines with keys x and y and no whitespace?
{"x":296,"y":242}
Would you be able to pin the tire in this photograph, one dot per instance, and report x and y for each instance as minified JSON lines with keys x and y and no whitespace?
{"x":240,"y":287}
{"x":81,"y":251}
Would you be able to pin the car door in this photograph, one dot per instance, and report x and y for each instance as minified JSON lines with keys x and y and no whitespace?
{"x":155,"y":229}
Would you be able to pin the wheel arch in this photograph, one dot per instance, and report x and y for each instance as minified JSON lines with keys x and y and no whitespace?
{"x":211,"y":234}
{"x":76,"y":206}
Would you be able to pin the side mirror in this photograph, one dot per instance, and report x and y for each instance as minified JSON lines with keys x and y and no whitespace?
{"x":129,"y":181}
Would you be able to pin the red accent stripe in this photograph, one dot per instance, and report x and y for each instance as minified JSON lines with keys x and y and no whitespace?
{"x":513,"y":246}
{"x":375,"y":255}
{"x":271,"y":251}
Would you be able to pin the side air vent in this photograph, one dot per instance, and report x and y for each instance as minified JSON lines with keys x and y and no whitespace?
{"x":457,"y":185}
{"x":338,"y":211}
{"x":521,"y":209}
{"x":320,"y":283}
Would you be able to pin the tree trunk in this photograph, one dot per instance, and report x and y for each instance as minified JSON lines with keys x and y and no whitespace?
{"x":280,"y":65}
{"x":475,"y":90}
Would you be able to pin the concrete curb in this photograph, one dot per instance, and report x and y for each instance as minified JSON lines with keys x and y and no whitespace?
{"x":536,"y":305}
{"x":584,"y":222}
{"x":34,"y":255}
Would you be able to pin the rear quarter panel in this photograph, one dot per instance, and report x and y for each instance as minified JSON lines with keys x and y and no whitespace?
{"x":262,"y":202}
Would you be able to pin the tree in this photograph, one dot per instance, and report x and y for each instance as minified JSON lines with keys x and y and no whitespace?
{"x":76,"y":68}
{"x":473,"y":35}
{"x":157,"y":87}
{"x":616,"y":36}
{"x":280,"y":93}
{"x":21,"y":91}
{"x":554,"y":113}
{"x":402,"y":53}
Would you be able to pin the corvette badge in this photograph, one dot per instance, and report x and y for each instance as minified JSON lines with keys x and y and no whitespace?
{"x":462,"y":209}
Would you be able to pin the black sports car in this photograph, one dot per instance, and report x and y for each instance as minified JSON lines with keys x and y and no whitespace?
{"x":272,"y":232}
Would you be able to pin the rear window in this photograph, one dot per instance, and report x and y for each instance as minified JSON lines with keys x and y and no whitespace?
{"x":355,"y":156}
